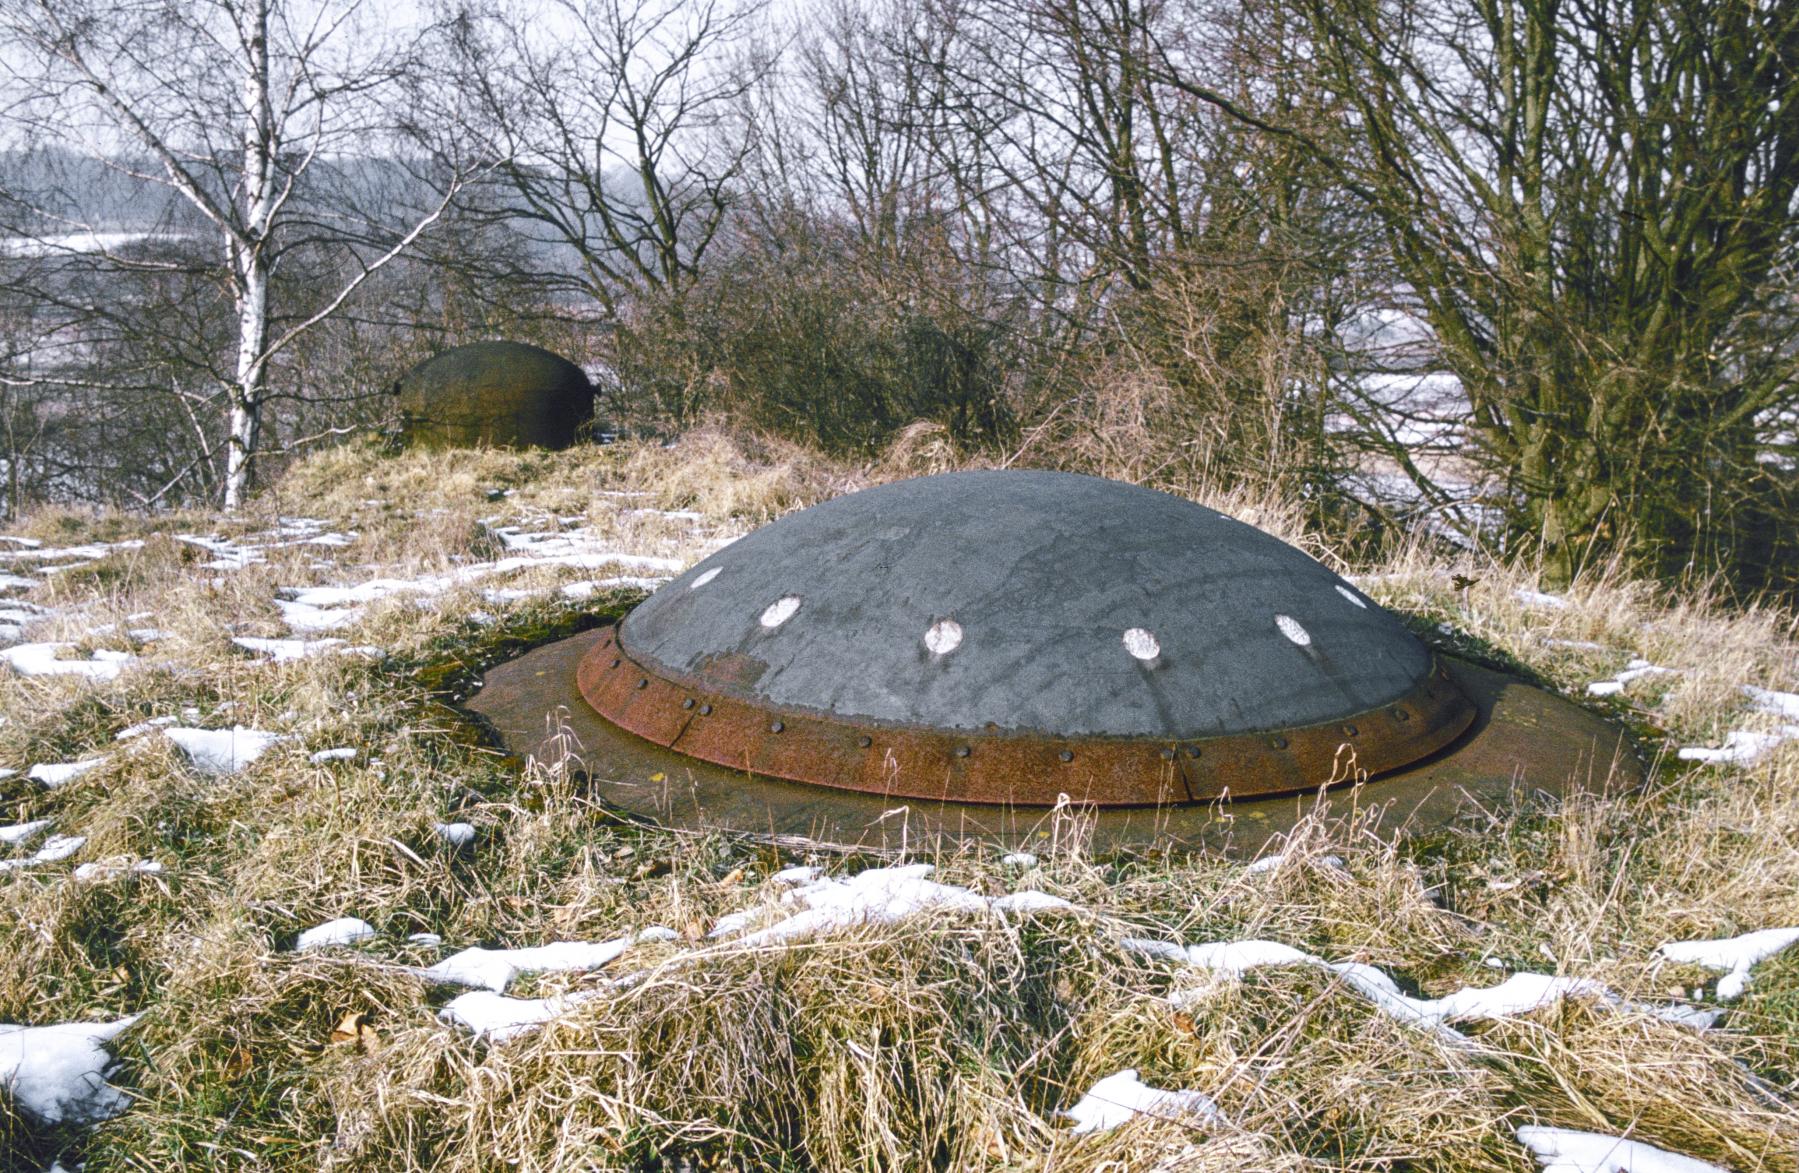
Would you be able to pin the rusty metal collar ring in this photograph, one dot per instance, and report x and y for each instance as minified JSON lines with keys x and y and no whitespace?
{"x":999,"y":766}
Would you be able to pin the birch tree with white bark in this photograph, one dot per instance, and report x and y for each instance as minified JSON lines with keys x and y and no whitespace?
{"x":253,"y":112}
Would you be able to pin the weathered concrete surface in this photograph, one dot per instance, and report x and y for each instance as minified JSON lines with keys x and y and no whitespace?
{"x":494,"y":394}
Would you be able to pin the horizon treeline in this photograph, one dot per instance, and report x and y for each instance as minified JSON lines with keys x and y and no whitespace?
{"x":1521,"y":272}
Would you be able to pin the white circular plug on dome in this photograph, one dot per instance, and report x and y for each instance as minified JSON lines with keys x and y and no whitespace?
{"x":1142,"y":644}
{"x":944,"y":637}
{"x":705,"y":578}
{"x":1292,"y":630}
{"x":780,"y":611}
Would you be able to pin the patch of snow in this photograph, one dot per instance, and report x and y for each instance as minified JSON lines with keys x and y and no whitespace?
{"x":41,"y":660}
{"x":873,"y":896}
{"x":1122,"y":1097}
{"x":20,"y":832}
{"x":57,"y":1074}
{"x":1734,"y":955}
{"x":1019,"y":859}
{"x":427,"y":940}
{"x":304,"y":617}
{"x":54,"y":850}
{"x":222,"y":751}
{"x":732,"y":923}
{"x":801,"y":874}
{"x":1767,"y":700}
{"x":1742,"y":747}
{"x":1161,"y":950}
{"x":340,"y":754}
{"x":285,"y":651}
{"x":311,"y":609}
{"x":496,"y":1018}
{"x":1539,"y":599}
{"x":495,"y":969}
{"x":345,"y":930}
{"x":1521,"y":993}
{"x":455,"y":834}
{"x":657,"y":933}
{"x":1269,"y":863}
{"x":1237,"y":957}
{"x":1564,"y":1150}
{"x":55,"y":774}
{"x":1636,"y":669}
{"x":1577,"y":645}
{"x":877,"y":896}
{"x":1030,"y":901}
{"x":143,"y":727}
{"x":1693,"y":1017}
{"x":114,"y":868}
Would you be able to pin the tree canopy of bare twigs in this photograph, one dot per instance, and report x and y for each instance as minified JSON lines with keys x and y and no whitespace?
{"x":1521,"y":272}
{"x":253,"y":114}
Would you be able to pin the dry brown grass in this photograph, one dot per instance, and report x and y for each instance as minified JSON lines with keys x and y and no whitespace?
{"x":939,"y":1043}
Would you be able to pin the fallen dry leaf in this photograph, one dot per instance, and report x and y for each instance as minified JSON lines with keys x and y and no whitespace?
{"x":355,"y":1031}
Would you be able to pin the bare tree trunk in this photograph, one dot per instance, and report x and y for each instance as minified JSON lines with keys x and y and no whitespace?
{"x":249,"y":259}
{"x":245,"y":425}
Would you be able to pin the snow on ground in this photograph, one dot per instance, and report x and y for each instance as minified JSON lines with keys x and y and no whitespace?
{"x":54,"y":850}
{"x":1767,"y":700}
{"x":495,"y":969}
{"x":308,"y":619}
{"x":1121,"y":1097}
{"x":222,"y":751}
{"x":341,"y":754}
{"x":44,"y":660}
{"x":496,"y":1018}
{"x":1734,"y":955}
{"x":345,"y":930}
{"x":1742,"y":747}
{"x":832,"y":904}
{"x":286,"y":651}
{"x":1519,"y":994}
{"x":1272,"y":863}
{"x":143,"y":727}
{"x":1636,"y":669}
{"x":21,"y":832}
{"x":1745,"y":747}
{"x":114,"y":868}
{"x":327,"y":608}
{"x":56,"y":774}
{"x":880,"y":896}
{"x":1563,"y":1150}
{"x":1539,"y":599}
{"x":57,"y":1074}
{"x":455,"y":834}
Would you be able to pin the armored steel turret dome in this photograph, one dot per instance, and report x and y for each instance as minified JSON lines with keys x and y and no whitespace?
{"x":1018,"y":636}
{"x":498,"y":394}
{"x":1012,"y":640}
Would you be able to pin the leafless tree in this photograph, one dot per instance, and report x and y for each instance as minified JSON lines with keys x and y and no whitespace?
{"x":610,"y":124}
{"x":250,"y":111}
{"x":1592,"y":204}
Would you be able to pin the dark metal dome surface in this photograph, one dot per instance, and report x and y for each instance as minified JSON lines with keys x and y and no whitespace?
{"x":503,"y":394}
{"x":1021,"y":636}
